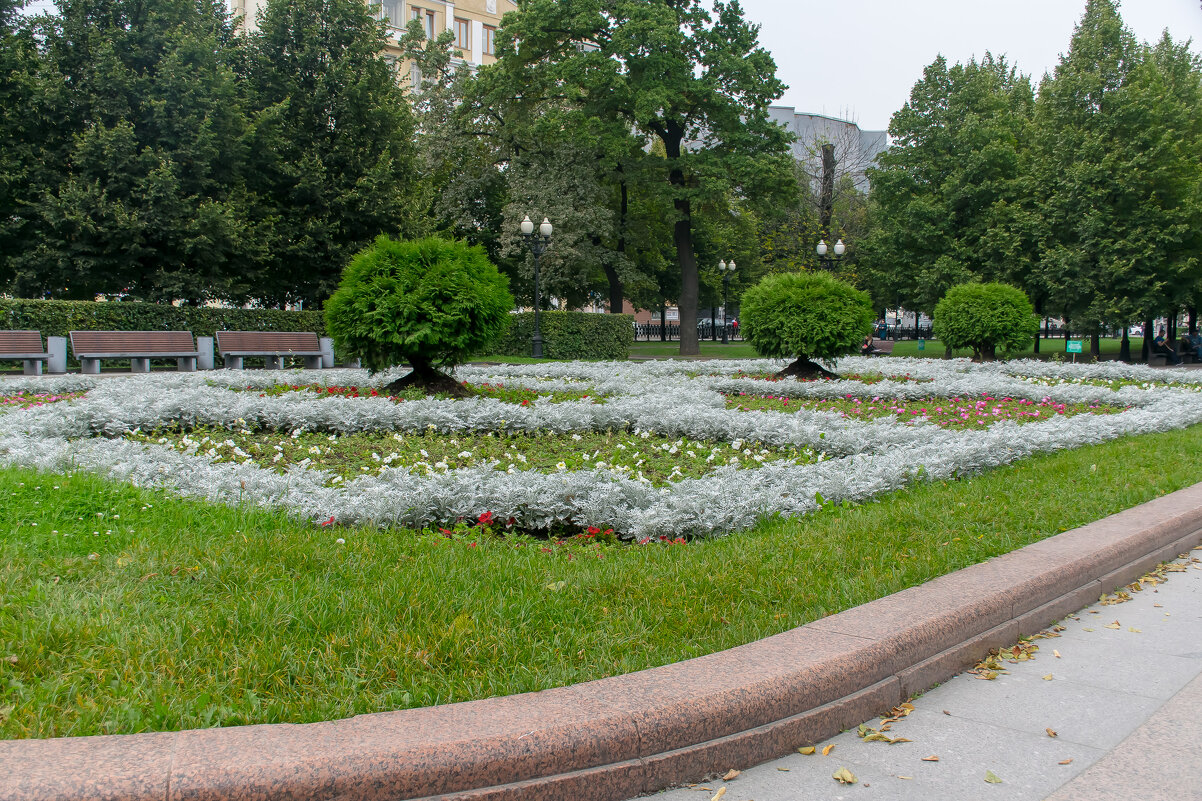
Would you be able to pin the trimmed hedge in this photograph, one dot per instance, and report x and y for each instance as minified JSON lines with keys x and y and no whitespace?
{"x":570,"y":335}
{"x":57,"y":317}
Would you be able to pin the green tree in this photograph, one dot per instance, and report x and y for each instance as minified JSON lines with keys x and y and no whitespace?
{"x":133,"y":184}
{"x":19,"y":128}
{"x":330,"y":152}
{"x":431,"y":303}
{"x":942,"y":195}
{"x":699,"y":84}
{"x":807,"y":316}
{"x":1115,"y":174}
{"x":985,"y":317}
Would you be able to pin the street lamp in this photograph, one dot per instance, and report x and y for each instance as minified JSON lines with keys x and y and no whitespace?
{"x":827,"y":262}
{"x":537,"y":245}
{"x":726,"y":270}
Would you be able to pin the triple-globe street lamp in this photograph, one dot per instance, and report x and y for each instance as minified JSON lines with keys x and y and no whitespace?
{"x":726,"y":271}
{"x":537,"y":245}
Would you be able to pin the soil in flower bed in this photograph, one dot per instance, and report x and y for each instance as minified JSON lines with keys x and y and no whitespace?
{"x":976,"y":412}
{"x":643,"y":456}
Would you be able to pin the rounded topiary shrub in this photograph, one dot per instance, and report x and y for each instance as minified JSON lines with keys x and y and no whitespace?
{"x":430,"y":302}
{"x":986,"y":318}
{"x":807,"y":316}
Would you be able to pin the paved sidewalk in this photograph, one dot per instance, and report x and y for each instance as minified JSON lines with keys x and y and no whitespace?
{"x":1124,"y":701}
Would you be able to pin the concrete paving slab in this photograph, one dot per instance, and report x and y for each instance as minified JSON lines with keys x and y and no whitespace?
{"x":1126,"y":708}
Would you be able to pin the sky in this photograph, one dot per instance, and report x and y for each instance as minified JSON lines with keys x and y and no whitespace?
{"x":858,"y":59}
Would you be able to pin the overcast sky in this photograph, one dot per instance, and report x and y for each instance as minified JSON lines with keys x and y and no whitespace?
{"x":858,"y":59}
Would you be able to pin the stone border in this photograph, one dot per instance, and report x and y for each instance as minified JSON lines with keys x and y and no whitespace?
{"x":617,"y":738}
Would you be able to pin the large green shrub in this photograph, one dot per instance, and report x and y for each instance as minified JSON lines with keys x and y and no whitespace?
{"x":986,"y":318}
{"x":429,"y":302}
{"x":570,"y":335}
{"x":806,"y":315}
{"x":54,"y":318}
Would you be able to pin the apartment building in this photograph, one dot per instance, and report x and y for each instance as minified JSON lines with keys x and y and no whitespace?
{"x":474,"y":22}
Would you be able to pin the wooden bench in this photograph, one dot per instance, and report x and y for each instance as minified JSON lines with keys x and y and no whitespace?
{"x":882,"y":347}
{"x":137,"y":346}
{"x":273,"y":346}
{"x":26,"y":346}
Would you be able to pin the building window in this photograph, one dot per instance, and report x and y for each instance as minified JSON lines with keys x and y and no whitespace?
{"x":463,"y":34}
{"x":490,"y":40}
{"x":390,"y":12}
{"x":427,"y":18}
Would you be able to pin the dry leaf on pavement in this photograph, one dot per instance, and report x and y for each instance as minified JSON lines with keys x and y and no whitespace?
{"x":806,"y":750}
{"x":721,"y":792}
{"x":992,"y":777}
{"x":844,"y":776}
{"x":1064,"y":762}
{"x":730,"y":774}
{"x":826,"y":751}
{"x":931,"y":758}
{"x":1051,"y":732}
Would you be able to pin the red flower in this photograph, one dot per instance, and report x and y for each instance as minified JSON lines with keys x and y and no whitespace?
{"x":594,"y":530}
{"x":329,"y":522}
{"x":485,"y":519}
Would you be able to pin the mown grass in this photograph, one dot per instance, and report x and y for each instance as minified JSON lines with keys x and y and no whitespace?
{"x":709,"y":350}
{"x":123,"y":610}
{"x":1048,"y":349}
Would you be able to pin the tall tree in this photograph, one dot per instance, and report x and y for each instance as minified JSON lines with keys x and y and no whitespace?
{"x":19,"y":128}
{"x":331,"y":151}
{"x":945,"y":184}
{"x":1116,"y":171}
{"x":135,"y":184}
{"x":667,"y":69}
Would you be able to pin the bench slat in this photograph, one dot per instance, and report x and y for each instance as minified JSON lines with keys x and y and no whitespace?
{"x":136,"y":344}
{"x":261,"y":343}
{"x":22,"y":345}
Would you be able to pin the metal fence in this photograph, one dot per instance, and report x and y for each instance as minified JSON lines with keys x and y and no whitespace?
{"x":652,"y":332}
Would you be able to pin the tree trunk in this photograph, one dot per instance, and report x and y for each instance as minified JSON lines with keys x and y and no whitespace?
{"x":617,"y":293}
{"x":1095,"y":346}
{"x":1039,"y":311}
{"x":430,"y":381}
{"x":682,"y":237}
{"x":1125,"y":346}
{"x":826,"y":198}
{"x":713,"y":323}
{"x":916,"y":316}
{"x":803,"y":368}
{"x":1148,"y":337}
{"x":663,"y":322}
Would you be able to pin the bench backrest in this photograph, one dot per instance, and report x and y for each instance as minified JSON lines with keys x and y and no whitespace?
{"x":132,"y":342}
{"x":266,"y":341}
{"x":21,"y":342}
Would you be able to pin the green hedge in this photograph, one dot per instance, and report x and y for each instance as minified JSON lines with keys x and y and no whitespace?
{"x":57,"y":317}
{"x":570,"y":335}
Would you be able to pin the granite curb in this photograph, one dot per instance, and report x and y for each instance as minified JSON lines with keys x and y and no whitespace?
{"x":624,"y":736}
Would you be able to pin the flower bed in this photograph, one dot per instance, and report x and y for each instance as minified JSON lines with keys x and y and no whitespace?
{"x":809,"y":457}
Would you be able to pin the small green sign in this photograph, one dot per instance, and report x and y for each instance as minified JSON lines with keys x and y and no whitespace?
{"x":922,"y":344}
{"x":1074,"y":346}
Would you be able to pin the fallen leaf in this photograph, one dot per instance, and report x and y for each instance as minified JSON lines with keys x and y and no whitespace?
{"x":911,"y":778}
{"x":11,"y":659}
{"x":806,"y":749}
{"x":1114,"y":625}
{"x":731,"y":774}
{"x":931,"y":758}
{"x":1056,"y":654}
{"x":1065,"y":762}
{"x":721,"y":792}
{"x":946,"y":712}
{"x":1158,"y":606}
{"x":783,"y":770}
{"x":827,"y":751}
{"x":1133,"y":630}
{"x":1086,"y":629}
{"x":1048,"y":677}
{"x":844,"y":776}
{"x":992,"y":777}
{"x":1051,"y":732}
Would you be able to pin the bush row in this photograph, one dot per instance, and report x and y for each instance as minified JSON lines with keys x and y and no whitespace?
{"x":57,"y":317}
{"x":570,"y":335}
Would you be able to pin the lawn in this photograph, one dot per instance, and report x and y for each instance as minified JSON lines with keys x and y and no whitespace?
{"x":130,"y":609}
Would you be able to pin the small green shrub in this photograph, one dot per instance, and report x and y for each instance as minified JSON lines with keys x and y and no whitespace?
{"x":55,"y":318}
{"x":806,"y":315}
{"x":986,"y":318}
{"x":431,"y":303}
{"x":570,"y":335}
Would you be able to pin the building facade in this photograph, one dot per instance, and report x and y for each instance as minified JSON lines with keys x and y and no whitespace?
{"x":855,"y":150}
{"x":474,"y":22}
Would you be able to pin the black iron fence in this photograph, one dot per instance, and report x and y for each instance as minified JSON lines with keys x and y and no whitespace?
{"x":651,"y":332}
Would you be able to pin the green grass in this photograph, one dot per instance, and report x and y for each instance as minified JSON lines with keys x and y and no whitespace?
{"x":123,"y":610}
{"x":934,"y":349}
{"x":711,"y":350}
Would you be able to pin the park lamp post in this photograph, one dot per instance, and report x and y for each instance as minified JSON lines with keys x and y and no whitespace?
{"x":726,"y":270}
{"x":537,"y":245}
{"x":827,"y":262}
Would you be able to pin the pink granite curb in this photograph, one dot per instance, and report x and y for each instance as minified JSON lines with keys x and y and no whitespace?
{"x":619,"y":737}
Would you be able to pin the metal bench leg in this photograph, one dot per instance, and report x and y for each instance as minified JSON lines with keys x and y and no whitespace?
{"x":312,"y":362}
{"x":274,"y":362}
{"x":233,"y":362}
{"x":139,"y":365}
{"x":33,"y":367}
{"x":89,"y":366}
{"x":186,"y":364}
